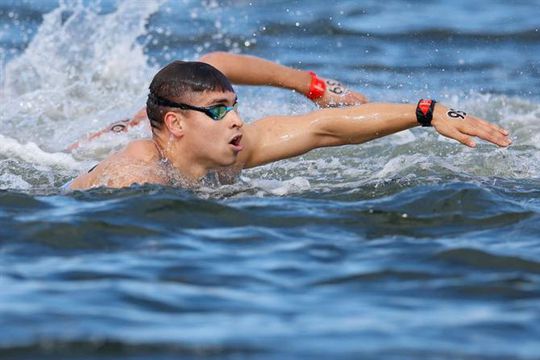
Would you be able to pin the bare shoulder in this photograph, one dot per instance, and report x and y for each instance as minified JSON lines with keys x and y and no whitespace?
{"x":140,"y":150}
{"x":136,"y":163}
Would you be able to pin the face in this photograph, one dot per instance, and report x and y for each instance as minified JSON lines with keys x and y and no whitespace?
{"x":215,"y":143}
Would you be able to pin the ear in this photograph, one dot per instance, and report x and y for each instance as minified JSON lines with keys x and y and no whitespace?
{"x":174,"y":123}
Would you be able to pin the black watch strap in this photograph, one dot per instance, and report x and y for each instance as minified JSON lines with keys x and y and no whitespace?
{"x":424,"y":111}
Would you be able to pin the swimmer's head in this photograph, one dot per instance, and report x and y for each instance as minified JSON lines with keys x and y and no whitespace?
{"x":177,"y":82}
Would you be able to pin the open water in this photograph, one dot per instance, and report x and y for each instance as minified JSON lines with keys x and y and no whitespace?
{"x":408,"y":247}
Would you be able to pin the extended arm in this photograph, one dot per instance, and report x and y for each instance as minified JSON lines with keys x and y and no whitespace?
{"x":251,"y":70}
{"x":276,"y":138}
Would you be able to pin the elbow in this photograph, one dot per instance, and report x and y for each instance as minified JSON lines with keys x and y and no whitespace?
{"x":327,"y":138}
{"x":326,"y":130}
{"x":330,"y":141}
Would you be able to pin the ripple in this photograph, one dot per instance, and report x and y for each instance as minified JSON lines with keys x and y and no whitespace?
{"x":377,"y":276}
{"x":480,"y":259}
{"x":325,"y":27}
{"x":107,"y":348}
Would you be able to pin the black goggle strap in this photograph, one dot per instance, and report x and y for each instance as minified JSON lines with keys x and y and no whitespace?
{"x":217,"y":112}
{"x":164,"y":102}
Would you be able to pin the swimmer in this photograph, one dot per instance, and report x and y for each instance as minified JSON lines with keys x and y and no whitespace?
{"x":198,"y":135}
{"x":251,"y":70}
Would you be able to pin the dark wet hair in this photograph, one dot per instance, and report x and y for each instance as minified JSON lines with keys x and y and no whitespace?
{"x":176,"y":81}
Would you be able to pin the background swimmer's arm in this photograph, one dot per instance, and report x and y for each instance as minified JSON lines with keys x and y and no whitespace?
{"x":116,"y":127}
{"x":251,"y":70}
{"x":277,"y":138}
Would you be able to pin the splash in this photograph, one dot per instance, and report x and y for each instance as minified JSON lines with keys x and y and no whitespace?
{"x":80,"y":69}
{"x":27,"y":166}
{"x":84,"y":68}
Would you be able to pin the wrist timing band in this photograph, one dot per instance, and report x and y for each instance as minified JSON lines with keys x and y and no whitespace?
{"x":424,"y":111}
{"x":317,"y":87}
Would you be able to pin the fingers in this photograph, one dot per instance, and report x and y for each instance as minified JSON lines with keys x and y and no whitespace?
{"x":337,"y":95}
{"x":464,"y":139}
{"x":351,"y":99}
{"x":485,"y":131}
{"x":338,"y":100}
{"x":359,"y":99}
{"x":450,"y":131}
{"x":488,"y":124}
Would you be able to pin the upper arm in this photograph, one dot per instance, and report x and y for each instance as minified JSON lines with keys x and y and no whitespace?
{"x":281,"y":137}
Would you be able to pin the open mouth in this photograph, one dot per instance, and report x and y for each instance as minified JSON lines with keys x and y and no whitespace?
{"x":236,"y":140}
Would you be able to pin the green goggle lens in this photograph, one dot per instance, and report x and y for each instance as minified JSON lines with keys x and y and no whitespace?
{"x":218,"y":112}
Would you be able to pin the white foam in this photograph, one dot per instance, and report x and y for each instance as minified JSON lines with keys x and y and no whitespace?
{"x":81,"y":71}
{"x":13,"y":181}
{"x":33,"y":154}
{"x":281,"y":188}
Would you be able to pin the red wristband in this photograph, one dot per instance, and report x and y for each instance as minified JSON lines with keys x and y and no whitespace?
{"x":317,"y":88}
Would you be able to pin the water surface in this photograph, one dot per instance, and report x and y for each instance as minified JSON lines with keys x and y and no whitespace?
{"x":411,"y":246}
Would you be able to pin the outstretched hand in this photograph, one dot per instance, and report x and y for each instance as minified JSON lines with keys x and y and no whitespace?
{"x":337,"y":94}
{"x":460,"y":126}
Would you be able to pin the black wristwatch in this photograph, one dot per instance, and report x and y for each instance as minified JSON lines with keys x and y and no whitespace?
{"x":424,"y":111}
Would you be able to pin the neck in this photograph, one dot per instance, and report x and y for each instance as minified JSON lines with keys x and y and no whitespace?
{"x":188,"y":168}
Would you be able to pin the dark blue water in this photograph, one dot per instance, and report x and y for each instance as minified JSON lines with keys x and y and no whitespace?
{"x":408,"y":247}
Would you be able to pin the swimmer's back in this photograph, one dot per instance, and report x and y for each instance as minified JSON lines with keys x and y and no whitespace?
{"x":135,"y":163}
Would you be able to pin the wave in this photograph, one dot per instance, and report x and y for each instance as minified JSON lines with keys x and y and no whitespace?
{"x":25,"y":166}
{"x":71,"y":79}
{"x":329,"y":27}
{"x":73,"y":75}
{"x":141,"y":213}
{"x":480,"y":259}
{"x":104,"y":347}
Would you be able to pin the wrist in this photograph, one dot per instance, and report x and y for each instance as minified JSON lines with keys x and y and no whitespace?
{"x":317,"y":87}
{"x":424,"y":111}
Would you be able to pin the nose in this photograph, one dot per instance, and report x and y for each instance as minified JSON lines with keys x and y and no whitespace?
{"x":235,"y":121}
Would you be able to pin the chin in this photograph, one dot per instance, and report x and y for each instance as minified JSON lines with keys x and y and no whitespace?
{"x":229,"y":163}
{"x":224,"y":161}
{"x":230,"y":160}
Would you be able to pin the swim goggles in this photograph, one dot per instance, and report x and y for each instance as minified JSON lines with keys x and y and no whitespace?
{"x":216,"y":112}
